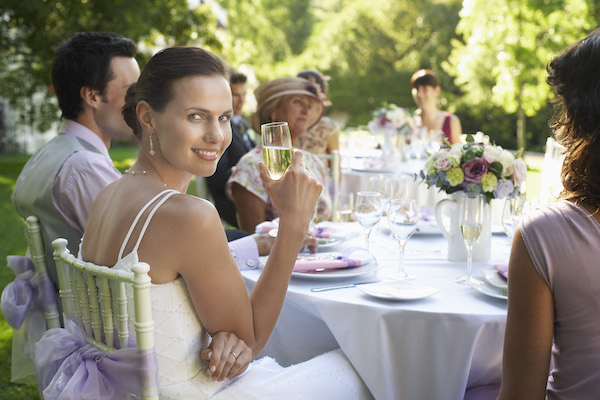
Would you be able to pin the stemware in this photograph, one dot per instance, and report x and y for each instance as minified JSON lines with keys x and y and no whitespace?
{"x":276,"y":147}
{"x":470,"y":221}
{"x":368,"y":209}
{"x":513,"y":212}
{"x":403,"y":218}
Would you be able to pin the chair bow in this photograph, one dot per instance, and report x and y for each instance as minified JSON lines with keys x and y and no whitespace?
{"x":68,"y":367}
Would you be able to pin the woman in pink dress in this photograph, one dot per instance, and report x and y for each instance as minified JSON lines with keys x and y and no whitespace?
{"x":554,"y":272}
{"x":426,"y":90}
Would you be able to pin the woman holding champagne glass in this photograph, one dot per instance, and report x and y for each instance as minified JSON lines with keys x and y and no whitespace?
{"x":291,"y":100}
{"x":180,"y":110}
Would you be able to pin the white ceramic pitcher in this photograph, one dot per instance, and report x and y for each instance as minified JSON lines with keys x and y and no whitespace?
{"x":457,"y":250}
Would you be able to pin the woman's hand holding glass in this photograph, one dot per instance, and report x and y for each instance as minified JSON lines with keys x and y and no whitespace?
{"x":403,"y":218}
{"x":368,"y":209}
{"x":470,"y":221}
{"x":294,"y":196}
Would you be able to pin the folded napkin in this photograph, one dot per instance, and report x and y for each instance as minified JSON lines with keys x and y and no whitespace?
{"x":323,"y":232}
{"x":502,"y":270}
{"x":323,"y":263}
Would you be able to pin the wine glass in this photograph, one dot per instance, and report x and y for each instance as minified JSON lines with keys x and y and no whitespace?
{"x":368,"y":209}
{"x":276,"y":147}
{"x":403,"y":217}
{"x":470,"y":221}
{"x":513,"y":212}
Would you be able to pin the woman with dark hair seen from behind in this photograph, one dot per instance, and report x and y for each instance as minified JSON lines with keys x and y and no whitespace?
{"x":426,"y":89}
{"x":180,"y":110}
{"x":554,"y":275}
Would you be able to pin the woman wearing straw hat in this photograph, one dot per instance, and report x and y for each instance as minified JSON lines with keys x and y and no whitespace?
{"x":291,"y":100}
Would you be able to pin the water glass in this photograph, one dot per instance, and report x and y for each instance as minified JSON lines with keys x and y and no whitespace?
{"x":368,"y":210}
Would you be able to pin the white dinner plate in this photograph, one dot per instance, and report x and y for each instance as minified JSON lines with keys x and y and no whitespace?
{"x":397,"y":290}
{"x":489,"y":290}
{"x":366,"y":267}
{"x":493,"y":278}
{"x":328,"y":243}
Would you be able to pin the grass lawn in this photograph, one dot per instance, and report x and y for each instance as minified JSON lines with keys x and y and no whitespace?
{"x":13,"y":242}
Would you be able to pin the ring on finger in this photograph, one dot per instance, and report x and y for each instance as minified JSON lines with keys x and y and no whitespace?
{"x":234,"y":354}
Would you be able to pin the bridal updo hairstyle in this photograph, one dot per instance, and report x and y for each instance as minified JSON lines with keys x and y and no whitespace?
{"x":156,"y":81}
{"x":574,"y":76}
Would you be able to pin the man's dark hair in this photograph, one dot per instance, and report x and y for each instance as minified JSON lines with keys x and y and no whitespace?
{"x":84,"y":61}
{"x":237,"y":78}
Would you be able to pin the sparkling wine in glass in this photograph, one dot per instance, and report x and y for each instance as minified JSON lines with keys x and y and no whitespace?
{"x":276,"y":147}
{"x":470,"y":221}
{"x":368,"y":209}
{"x":403,"y":218}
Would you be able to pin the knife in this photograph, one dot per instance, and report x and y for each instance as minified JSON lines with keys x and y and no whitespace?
{"x":349,"y":285}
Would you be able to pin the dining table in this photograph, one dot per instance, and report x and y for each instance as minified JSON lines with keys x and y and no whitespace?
{"x":425,"y":338}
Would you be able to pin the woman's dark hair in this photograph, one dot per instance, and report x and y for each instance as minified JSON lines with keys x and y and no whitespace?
{"x":84,"y":61}
{"x":156,"y":81}
{"x":424,"y":77}
{"x":574,"y":75}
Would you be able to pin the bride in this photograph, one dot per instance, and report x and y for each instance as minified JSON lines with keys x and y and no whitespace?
{"x":180,"y":110}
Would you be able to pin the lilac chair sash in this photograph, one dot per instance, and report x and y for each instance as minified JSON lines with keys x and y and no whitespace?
{"x":22,"y":303}
{"x":68,"y":367}
{"x":27,"y":293}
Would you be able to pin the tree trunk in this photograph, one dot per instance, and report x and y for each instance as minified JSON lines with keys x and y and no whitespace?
{"x":520,"y":122}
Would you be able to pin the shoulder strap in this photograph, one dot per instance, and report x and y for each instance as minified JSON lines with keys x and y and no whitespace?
{"x":169,"y":193}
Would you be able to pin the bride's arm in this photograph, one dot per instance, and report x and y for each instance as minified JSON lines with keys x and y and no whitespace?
{"x":213,"y":280}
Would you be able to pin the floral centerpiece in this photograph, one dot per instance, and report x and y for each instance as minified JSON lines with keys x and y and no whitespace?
{"x":476,"y":167}
{"x":392,"y":118}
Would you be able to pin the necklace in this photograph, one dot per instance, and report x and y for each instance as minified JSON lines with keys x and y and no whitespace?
{"x":143,"y":172}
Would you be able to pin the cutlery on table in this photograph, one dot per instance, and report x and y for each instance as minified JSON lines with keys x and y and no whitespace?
{"x":345,"y":286}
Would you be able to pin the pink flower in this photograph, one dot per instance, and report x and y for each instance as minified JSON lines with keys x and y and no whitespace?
{"x":442,"y":163}
{"x":475,"y":170}
{"x":490,"y":158}
{"x":520,"y":172}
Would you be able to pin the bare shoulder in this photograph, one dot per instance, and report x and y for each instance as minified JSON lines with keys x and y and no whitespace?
{"x":185,"y":212}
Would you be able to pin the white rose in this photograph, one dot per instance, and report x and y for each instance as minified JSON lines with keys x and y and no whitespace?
{"x":520,"y":171}
{"x":508,"y":163}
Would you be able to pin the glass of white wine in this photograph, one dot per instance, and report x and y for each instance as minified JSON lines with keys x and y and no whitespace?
{"x":403,"y":218}
{"x":368,"y":209}
{"x":470,"y":221}
{"x":276,"y":147}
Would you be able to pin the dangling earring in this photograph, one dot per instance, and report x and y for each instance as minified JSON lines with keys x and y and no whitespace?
{"x":151,"y":146}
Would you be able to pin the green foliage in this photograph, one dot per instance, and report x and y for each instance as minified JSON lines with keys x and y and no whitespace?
{"x":31,"y":31}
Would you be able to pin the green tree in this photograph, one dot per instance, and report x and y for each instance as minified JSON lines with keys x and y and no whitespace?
{"x":506,"y":45}
{"x":32,"y":30}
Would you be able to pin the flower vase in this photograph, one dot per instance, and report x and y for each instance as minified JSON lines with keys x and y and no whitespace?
{"x":457,"y":249}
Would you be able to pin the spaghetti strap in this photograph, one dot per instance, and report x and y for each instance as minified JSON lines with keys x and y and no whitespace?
{"x":169,"y":192}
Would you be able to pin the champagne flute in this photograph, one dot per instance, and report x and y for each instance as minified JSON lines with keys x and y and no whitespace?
{"x":403,"y":217}
{"x":276,"y":147}
{"x":470,"y":221}
{"x":368,"y":209}
{"x":513,"y":212}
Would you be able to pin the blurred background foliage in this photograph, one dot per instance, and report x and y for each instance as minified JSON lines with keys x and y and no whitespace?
{"x":490,"y":54}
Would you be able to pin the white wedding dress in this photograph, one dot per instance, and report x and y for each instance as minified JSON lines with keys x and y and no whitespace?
{"x":179,"y":337}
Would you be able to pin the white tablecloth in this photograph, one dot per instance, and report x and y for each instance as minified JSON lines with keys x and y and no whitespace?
{"x":433,"y":348}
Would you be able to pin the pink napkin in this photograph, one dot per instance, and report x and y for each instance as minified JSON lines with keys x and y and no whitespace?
{"x":502,"y":270}
{"x":324,"y":232}
{"x":333,"y":262}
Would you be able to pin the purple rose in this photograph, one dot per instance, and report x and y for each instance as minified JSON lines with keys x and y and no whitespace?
{"x":475,"y":170}
{"x":503,"y":189}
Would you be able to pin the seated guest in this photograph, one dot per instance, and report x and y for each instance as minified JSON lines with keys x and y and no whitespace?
{"x":426,"y":89}
{"x":90,"y":74}
{"x":553,"y":275}
{"x":322,"y":138}
{"x":182,"y":101}
{"x":291,"y":100}
{"x":240,"y":145}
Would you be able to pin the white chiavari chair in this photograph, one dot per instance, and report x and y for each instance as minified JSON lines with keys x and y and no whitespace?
{"x":95,"y":299}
